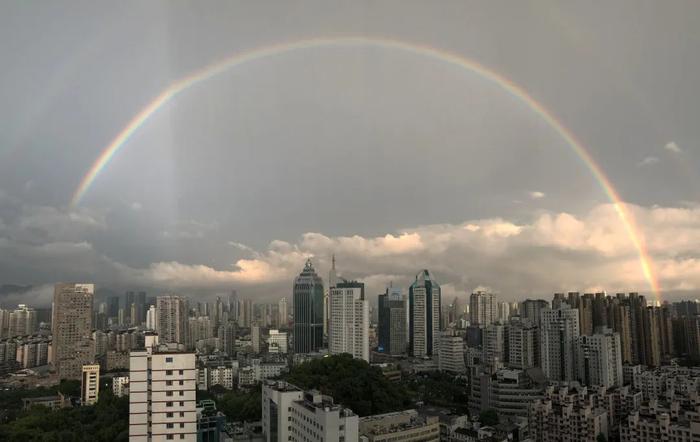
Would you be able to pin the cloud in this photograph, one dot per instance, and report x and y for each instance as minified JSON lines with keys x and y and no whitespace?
{"x":648,"y":161}
{"x":552,"y":251}
{"x":136,"y":206}
{"x":673,"y":147}
{"x":535,"y":195}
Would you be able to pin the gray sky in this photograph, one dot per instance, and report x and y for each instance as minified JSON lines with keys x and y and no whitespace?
{"x":329,"y":150}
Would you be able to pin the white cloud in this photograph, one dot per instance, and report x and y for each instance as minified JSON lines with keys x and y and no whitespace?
{"x":648,"y":161}
{"x":136,"y":206}
{"x":535,"y":195}
{"x":673,"y":147}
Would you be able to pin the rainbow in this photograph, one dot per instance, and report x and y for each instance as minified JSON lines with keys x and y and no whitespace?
{"x":451,"y":58}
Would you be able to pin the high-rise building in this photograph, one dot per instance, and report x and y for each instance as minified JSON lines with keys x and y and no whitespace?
{"x":392,"y":321}
{"x":482,"y":308}
{"x":172,"y":319}
{"x":283,"y":312}
{"x":162,"y":394}
{"x":308,"y":310}
{"x":152,"y":318}
{"x":522,"y":344}
{"x":4,"y":323}
{"x":22,"y":321}
{"x":599,"y":359}
{"x":349,"y":320}
{"x":531,"y":309}
{"x":71,"y":328}
{"x":451,"y":353}
{"x":135,"y":307}
{"x":113,"y":306}
{"x":503,"y":311}
{"x":559,"y":330}
{"x":200,"y":328}
{"x":424,"y":315}
{"x":227,"y":338}
{"x":90,"y":385}
{"x":494,"y":345}
{"x":255,"y":338}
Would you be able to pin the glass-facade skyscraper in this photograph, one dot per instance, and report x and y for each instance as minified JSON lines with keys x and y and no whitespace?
{"x":424,"y":315}
{"x":308,"y":310}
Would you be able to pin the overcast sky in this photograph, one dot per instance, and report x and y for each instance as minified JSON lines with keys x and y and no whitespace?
{"x":392,"y":161}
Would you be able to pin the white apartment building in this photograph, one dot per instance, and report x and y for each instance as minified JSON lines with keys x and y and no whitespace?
{"x":290,"y":414}
{"x":349,"y":320}
{"x":120,"y":385}
{"x":277,"y":342}
{"x":522,"y":344}
{"x":599,"y":359}
{"x":90,"y":385}
{"x":482,"y":308}
{"x":162,"y":402}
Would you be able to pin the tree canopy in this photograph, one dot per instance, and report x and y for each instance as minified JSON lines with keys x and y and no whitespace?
{"x":352,"y":383}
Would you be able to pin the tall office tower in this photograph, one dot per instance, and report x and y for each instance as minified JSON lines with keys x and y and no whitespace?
{"x":283,"y":312}
{"x":162,"y":394}
{"x":599,"y":359}
{"x":349,"y":320}
{"x":585,"y":314}
{"x":637,"y":304}
{"x":4,"y":323}
{"x":502,"y":311}
{"x":392,"y":322}
{"x":233,"y":305}
{"x":424,"y":306}
{"x":113,"y":306}
{"x":559,"y":329}
{"x":332,"y":281}
{"x":494,"y":344}
{"x":620,"y":318}
{"x":245,"y":313}
{"x":218,"y":311}
{"x":451,"y":353}
{"x":172,"y":319}
{"x":227,"y":338}
{"x":531,"y":309}
{"x":255,"y":338}
{"x":600,"y":317}
{"x":121,"y":317}
{"x":482,"y":308}
{"x":90,"y":385}
{"x":71,"y":327}
{"x":152,"y":318}
{"x":308,"y":310}
{"x":522,"y":344}
{"x":22,"y":321}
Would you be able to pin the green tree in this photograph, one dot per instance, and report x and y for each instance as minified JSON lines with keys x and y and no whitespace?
{"x":489,"y":417}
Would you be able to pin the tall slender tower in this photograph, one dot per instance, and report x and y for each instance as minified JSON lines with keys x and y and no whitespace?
{"x":172,"y":319}
{"x":349,"y":322}
{"x":71,"y":327}
{"x":424,"y":315}
{"x":308,"y":310}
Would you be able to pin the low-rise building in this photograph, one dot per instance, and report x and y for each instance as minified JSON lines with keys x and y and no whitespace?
{"x":657,"y":422}
{"x":120,"y":385}
{"x":405,"y":425}
{"x":291,"y":414}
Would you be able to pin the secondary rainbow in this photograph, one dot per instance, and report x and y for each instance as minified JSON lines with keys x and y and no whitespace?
{"x":451,"y":58}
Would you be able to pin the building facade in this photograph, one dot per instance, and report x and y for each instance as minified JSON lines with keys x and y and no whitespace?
{"x":392,"y":322}
{"x":349,"y":320}
{"x":424,"y":315}
{"x":308,"y":311}
{"x":71,"y":328}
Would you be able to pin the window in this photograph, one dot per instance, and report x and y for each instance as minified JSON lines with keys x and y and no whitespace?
{"x":169,"y":425}
{"x":182,"y":393}
{"x":182,"y":382}
{"x":182,"y":436}
{"x":169,"y":437}
{"x":168,"y":393}
{"x":182,"y":371}
{"x":168,"y":372}
{"x":182,"y":425}
{"x":169,"y":359}
{"x":168,"y":382}
{"x":168,"y":404}
{"x":182,"y":414}
{"x":170,"y":414}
